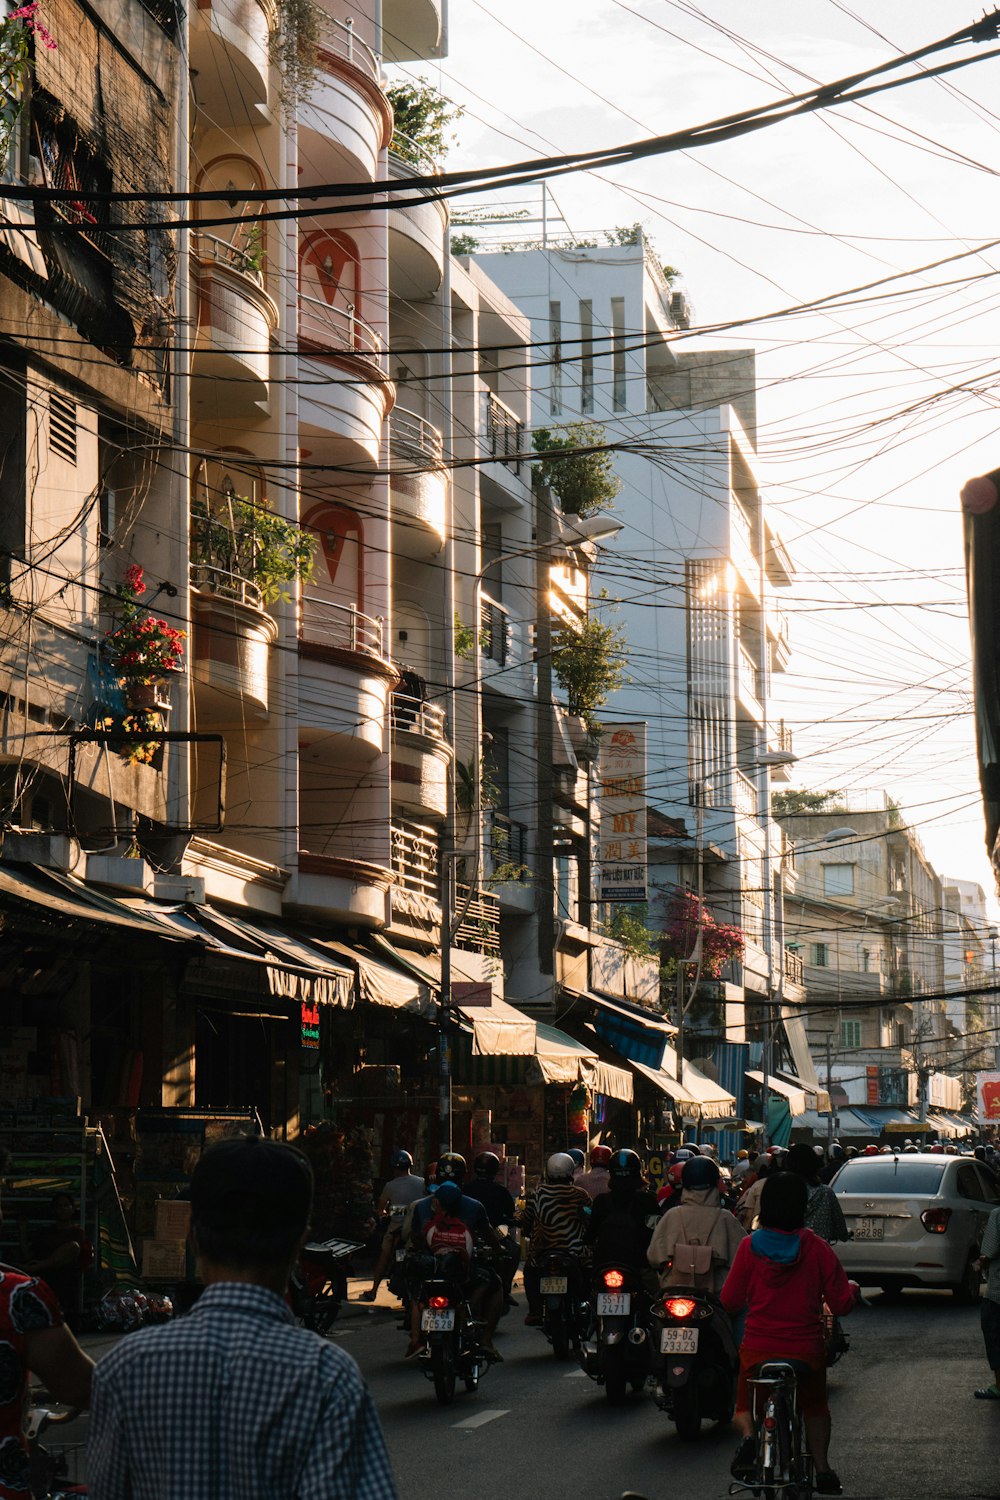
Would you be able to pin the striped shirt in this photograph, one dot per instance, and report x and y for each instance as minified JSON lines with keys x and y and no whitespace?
{"x":554,"y":1219}
{"x":233,"y":1402}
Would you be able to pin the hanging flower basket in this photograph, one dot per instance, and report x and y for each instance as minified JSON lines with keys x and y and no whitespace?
{"x":146,"y":651}
{"x":152,"y":696}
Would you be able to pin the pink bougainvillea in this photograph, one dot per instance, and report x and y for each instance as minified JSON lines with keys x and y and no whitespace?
{"x":720,"y":942}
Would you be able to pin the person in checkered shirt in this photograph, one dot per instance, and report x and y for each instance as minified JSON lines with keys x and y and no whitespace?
{"x":233,"y":1401}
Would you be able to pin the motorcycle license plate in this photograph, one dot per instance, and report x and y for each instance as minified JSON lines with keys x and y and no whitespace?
{"x":438,"y":1322}
{"x":400,"y":1256}
{"x":679,"y":1341}
{"x":614,"y":1304}
{"x":869,"y":1229}
{"x":555,"y":1286}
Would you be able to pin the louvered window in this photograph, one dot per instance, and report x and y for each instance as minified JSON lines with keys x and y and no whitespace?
{"x":62,"y":426}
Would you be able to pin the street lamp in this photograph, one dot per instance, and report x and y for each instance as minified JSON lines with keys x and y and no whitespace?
{"x":993,"y":934}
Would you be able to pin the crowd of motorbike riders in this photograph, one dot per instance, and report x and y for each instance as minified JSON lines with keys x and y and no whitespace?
{"x":686,"y":1289}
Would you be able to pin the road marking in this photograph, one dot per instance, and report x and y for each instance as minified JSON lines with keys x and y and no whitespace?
{"x":575,"y":1374}
{"x":481,"y":1418}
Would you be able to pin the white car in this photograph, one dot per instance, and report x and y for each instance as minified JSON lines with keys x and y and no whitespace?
{"x":915,"y":1220}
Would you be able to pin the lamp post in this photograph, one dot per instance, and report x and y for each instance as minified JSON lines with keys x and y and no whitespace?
{"x":993,"y":934}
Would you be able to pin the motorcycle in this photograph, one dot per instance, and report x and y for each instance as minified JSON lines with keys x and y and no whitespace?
{"x":318,"y":1285}
{"x":565,"y":1307}
{"x":615,"y":1353}
{"x":694,"y":1360}
{"x":48,"y":1471}
{"x":452,"y":1350}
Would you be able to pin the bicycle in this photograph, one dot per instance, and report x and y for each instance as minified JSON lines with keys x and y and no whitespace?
{"x":783,"y":1465}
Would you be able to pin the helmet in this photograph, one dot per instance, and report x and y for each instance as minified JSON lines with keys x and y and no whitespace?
{"x":871,"y":1151}
{"x":451,"y":1167}
{"x":625,"y":1165}
{"x":560,"y":1167}
{"x":577,"y":1155}
{"x":819,"y":1151}
{"x":699,"y":1172}
{"x":694,"y":1149}
{"x":600,"y":1156}
{"x":486,"y":1164}
{"x":403,"y":1159}
{"x":448,"y":1194}
{"x":743,"y":1156}
{"x":886,"y":1151}
{"x":683,"y":1153}
{"x":936,"y":1149}
{"x":674,"y":1173}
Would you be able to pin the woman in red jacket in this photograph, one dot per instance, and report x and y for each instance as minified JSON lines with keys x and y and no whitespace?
{"x":782,"y":1275}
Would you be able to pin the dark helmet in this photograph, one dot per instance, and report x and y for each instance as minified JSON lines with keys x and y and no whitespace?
{"x":577,"y":1155}
{"x":699,"y":1172}
{"x":451,"y":1167}
{"x":486,"y":1164}
{"x":600,"y":1156}
{"x":403,"y":1159}
{"x":693,"y":1147}
{"x":625,"y":1164}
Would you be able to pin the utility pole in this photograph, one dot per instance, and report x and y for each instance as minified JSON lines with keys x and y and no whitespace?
{"x":829,"y":1092}
{"x":444,"y":1012}
{"x":544,"y":823}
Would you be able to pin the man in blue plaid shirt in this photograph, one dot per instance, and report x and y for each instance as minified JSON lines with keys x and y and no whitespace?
{"x":234,"y":1402}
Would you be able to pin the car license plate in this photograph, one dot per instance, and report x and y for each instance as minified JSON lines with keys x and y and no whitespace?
{"x":613,"y":1304}
{"x":438,"y":1322}
{"x":869,"y":1229}
{"x":555,"y":1286}
{"x":679,"y":1341}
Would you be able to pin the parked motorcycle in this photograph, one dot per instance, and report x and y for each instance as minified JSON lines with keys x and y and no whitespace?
{"x":615,"y":1352}
{"x":565,"y":1302}
{"x":453,"y":1351}
{"x":694,"y":1360}
{"x":48,"y":1471}
{"x":318,"y":1286}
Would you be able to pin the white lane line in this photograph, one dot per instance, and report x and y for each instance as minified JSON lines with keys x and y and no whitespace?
{"x":481,"y":1418}
{"x":575,"y":1375}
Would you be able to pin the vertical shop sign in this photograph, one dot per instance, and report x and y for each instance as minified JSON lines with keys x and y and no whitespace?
{"x":621,"y":790}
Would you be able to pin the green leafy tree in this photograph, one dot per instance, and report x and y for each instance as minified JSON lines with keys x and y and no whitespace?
{"x":575,"y":463}
{"x":794,"y":802}
{"x":464,"y":244}
{"x":589,"y":663}
{"x":627,"y":926}
{"x":422,"y":121}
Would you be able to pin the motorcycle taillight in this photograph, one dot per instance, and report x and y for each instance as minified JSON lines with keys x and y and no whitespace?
{"x":614,"y":1280}
{"x":438,"y":1302}
{"x":680,"y":1307}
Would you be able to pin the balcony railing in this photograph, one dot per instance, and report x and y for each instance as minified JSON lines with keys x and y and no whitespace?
{"x":337,"y":329}
{"x":504,"y":433}
{"x":794,"y":968}
{"x":409,"y":158}
{"x":479,"y":929}
{"x":415,"y":859}
{"x":781,"y":737}
{"x":741,"y":527}
{"x":749,"y":674}
{"x":340,"y":625}
{"x":744,"y":794}
{"x":216,"y":562}
{"x":508,"y":844}
{"x":337,"y":38}
{"x":417,"y":717}
{"x":245,"y":262}
{"x":414,"y":435}
{"x":496,"y":633}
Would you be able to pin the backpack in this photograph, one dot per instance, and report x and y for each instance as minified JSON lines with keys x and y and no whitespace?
{"x":691,"y":1263}
{"x":446,"y":1234}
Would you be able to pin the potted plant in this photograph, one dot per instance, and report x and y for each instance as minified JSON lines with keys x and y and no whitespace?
{"x":243,"y":542}
{"x":145,"y":650}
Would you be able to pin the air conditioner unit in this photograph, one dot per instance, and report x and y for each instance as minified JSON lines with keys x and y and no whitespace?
{"x":680,"y":309}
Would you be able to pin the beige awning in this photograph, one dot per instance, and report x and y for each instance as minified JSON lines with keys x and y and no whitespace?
{"x":796,"y":1097}
{"x":698,"y":1097}
{"x":498,"y":1029}
{"x":560,"y":1058}
{"x":603,"y":1078}
{"x":384,"y":984}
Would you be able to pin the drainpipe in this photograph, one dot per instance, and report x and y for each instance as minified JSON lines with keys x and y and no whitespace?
{"x":179,"y":793}
{"x":449,"y":852}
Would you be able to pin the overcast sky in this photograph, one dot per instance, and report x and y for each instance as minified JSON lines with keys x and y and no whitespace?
{"x":864,"y":440}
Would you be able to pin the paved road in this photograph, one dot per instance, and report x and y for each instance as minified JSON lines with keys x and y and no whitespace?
{"x":905,"y":1424}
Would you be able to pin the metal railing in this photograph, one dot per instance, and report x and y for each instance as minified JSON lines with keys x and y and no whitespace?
{"x":508,"y":843}
{"x":415,"y":859}
{"x":496,"y":634}
{"x":339,"y":329}
{"x":742,"y":530}
{"x":338,"y":39}
{"x":216,"y":565}
{"x":479,"y":929}
{"x":749,"y":674}
{"x":245,"y":262}
{"x":794,"y":968}
{"x":341,"y":625}
{"x":781,"y":738}
{"x":744,"y":794}
{"x":409,"y":158}
{"x":411,"y":433}
{"x":504,"y":433}
{"x":417,"y":717}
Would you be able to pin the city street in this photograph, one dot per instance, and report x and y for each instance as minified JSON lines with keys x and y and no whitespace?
{"x":905,"y":1423}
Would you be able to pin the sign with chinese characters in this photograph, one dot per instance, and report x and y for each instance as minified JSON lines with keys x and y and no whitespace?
{"x":988,"y":1096}
{"x":621,"y":790}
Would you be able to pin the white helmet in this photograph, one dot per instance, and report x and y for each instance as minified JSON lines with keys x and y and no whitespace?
{"x":560,"y":1167}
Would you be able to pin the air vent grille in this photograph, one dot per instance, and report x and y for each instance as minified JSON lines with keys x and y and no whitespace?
{"x":62,"y":426}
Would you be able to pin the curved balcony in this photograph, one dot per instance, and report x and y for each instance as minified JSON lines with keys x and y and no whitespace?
{"x":232,"y":635}
{"x":416,"y":234}
{"x":412,"y":29}
{"x":344,"y":890}
{"x":419,"y":497}
{"x":347,"y":119}
{"x":229,"y":57}
{"x":345,"y":394}
{"x":421,"y":756}
{"x":344,"y":682}
{"x":236,"y":320}
{"x":414,"y":900}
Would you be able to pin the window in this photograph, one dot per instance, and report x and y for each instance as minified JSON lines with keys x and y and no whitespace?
{"x":850,"y":1034}
{"x":838,"y":880}
{"x":968,"y":1184}
{"x":821,"y":955}
{"x":889,"y":1176}
{"x":866,"y":961}
{"x":586,"y":356}
{"x":618,"y":352}
{"x":555,"y":329}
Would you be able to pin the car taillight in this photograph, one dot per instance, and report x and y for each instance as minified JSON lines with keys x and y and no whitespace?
{"x":935,"y":1220}
{"x":614,"y":1279}
{"x":439,"y":1302}
{"x":680,"y":1307}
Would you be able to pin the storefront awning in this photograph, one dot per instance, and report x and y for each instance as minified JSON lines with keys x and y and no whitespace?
{"x":69,"y":899}
{"x":615,"y":1083}
{"x":798,"y":1044}
{"x":560,"y":1058}
{"x":796,"y":1097}
{"x":381,"y":983}
{"x":698,"y":1097}
{"x":637,"y":1034}
{"x":880,"y":1117}
{"x":498,"y":1029}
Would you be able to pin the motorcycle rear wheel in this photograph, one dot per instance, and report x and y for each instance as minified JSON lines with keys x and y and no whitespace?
{"x":560,"y":1337}
{"x":443,"y":1368}
{"x":687,"y":1411}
